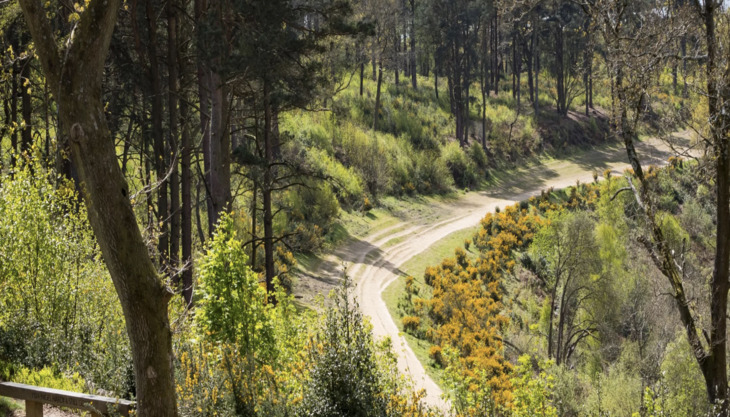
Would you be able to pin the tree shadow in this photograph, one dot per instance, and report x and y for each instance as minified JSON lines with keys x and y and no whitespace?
{"x":330,"y":273}
{"x":521,"y":182}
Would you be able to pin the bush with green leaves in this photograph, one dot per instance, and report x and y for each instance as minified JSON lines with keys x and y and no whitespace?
{"x":233,"y":307}
{"x":344,"y":379}
{"x":468,"y":395}
{"x":240,"y":335}
{"x":532,"y":390}
{"x":249,"y":357}
{"x":461,"y":166}
{"x":58,"y":306}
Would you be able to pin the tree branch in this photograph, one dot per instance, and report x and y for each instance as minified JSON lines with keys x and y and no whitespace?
{"x":45,"y":42}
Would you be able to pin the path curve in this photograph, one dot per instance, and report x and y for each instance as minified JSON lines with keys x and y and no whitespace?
{"x":373,"y":263}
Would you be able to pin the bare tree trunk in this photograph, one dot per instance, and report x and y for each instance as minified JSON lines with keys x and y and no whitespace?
{"x":266,"y":191}
{"x":436,"y":79}
{"x":173,"y":153}
{"x":414,"y":80}
{"x":362,"y":76}
{"x":141,"y":293}
{"x":219,"y":178}
{"x":718,"y":97}
{"x":377,"y":96}
{"x":160,"y":156}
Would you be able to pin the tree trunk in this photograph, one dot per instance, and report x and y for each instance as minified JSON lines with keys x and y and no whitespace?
{"x":414,"y":80}
{"x":683,"y":46}
{"x":219,"y":176}
{"x":186,"y":215}
{"x":374,"y":63}
{"x":142,"y":295}
{"x":204,"y":96}
{"x":436,"y":80}
{"x":560,"y":71}
{"x":518,"y":72}
{"x":396,"y":60}
{"x":529,"y":58}
{"x":173,"y":153}
{"x":377,"y":96}
{"x":587,"y":65}
{"x":160,"y":156}
{"x":266,"y":191}
{"x":362,"y":76}
{"x":718,"y":96}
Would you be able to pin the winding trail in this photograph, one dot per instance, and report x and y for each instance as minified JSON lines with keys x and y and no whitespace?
{"x":373,"y":262}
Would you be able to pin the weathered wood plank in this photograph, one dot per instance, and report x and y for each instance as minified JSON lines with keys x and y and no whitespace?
{"x":33,"y":409}
{"x":59,"y":398}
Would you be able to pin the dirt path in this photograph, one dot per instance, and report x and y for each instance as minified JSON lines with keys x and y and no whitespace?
{"x":373,"y":262}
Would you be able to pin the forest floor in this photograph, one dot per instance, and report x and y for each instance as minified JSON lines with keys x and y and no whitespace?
{"x":374,"y":259}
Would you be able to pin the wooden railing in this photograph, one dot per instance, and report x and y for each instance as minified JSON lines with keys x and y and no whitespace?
{"x":35,"y":397}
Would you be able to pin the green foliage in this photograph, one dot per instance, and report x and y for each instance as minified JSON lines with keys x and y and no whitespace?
{"x":478,"y":156}
{"x":619,"y":390}
{"x":233,"y":307}
{"x":470,"y":395}
{"x":683,"y":390}
{"x":243,"y":356}
{"x":676,"y":237}
{"x":567,"y":391}
{"x":461,"y":166}
{"x":532,"y":392}
{"x":312,"y":214}
{"x":54,"y":284}
{"x":344,"y":378}
{"x":50,"y":378}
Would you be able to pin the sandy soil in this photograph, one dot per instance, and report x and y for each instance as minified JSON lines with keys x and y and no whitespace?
{"x":374,"y":264}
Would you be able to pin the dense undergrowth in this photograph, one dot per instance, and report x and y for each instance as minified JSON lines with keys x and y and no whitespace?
{"x":561,"y":287}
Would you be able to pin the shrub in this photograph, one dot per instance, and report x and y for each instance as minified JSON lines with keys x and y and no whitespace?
{"x":431,"y":175}
{"x":434,"y":352}
{"x":478,"y":156}
{"x":343,"y":380}
{"x":58,"y":306}
{"x":48,"y":378}
{"x":313,"y":209}
{"x":233,"y":307}
{"x":682,"y":380}
{"x":462,"y":168}
{"x":532,"y":393}
{"x":411,"y":324}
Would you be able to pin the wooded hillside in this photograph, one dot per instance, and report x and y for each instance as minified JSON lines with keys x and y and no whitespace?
{"x":165,"y":164}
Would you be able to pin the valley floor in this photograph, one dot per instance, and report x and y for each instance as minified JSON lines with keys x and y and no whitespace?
{"x":373,"y":261}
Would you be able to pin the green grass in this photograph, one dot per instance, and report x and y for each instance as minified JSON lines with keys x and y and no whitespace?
{"x":8,"y":406}
{"x":435,"y":253}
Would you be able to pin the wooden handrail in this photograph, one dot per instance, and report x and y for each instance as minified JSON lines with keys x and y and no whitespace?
{"x":35,"y":397}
